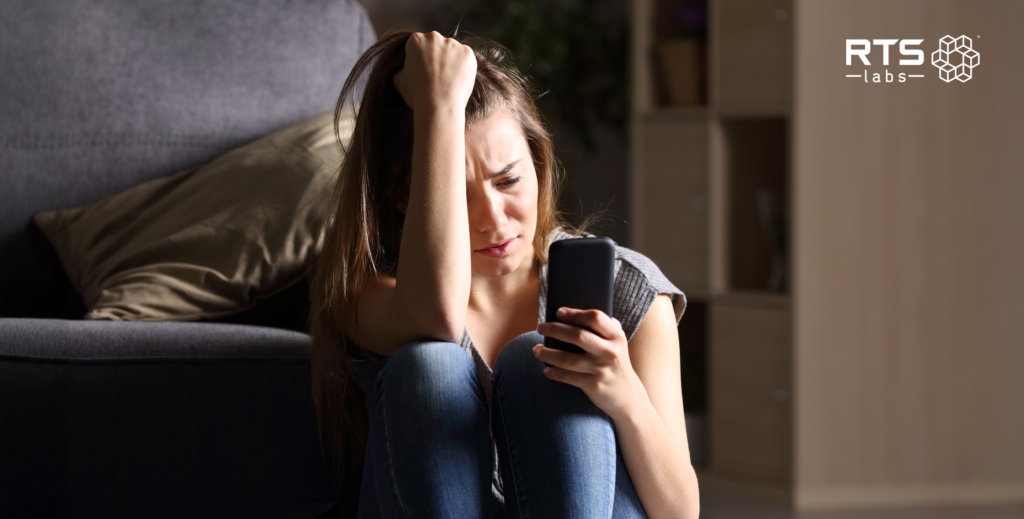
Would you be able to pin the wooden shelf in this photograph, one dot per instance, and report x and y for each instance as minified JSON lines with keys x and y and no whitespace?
{"x":707,"y":113}
{"x":752,"y":299}
{"x":709,"y":185}
{"x":753,"y":110}
{"x":893,"y":381}
{"x":677,"y":113}
{"x":726,"y":485}
{"x":694,"y":291}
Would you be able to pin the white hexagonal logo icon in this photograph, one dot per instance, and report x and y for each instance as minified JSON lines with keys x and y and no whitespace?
{"x":955,"y":58}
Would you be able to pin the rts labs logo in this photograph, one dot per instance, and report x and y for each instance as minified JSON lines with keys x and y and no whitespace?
{"x":955,"y":58}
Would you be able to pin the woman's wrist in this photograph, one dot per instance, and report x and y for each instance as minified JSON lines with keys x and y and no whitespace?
{"x":638,"y":405}
{"x":431,"y":106}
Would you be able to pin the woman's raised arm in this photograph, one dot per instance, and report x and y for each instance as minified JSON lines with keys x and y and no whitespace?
{"x":429,"y":297}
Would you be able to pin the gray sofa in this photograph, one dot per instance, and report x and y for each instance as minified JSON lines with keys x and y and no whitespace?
{"x":116,"y":419}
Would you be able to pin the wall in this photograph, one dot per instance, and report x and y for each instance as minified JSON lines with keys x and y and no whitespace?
{"x":909,"y":249}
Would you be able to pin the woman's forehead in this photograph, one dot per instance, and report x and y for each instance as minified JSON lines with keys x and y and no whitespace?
{"x":497,"y":139}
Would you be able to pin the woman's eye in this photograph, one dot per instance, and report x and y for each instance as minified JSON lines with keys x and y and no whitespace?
{"x":510,"y":181}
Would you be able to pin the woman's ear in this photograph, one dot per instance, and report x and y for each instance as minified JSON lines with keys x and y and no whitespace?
{"x":402,"y":205}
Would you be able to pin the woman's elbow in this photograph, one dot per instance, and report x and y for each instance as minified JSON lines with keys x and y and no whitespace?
{"x":429,"y":318}
{"x":440,"y":325}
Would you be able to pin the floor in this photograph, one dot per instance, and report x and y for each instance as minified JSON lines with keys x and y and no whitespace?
{"x":721,"y":508}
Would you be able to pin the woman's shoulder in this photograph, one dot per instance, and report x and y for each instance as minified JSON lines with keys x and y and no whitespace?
{"x":638,"y":281}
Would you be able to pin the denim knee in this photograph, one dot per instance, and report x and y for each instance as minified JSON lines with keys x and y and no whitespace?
{"x":422,"y":370}
{"x":517,"y":357}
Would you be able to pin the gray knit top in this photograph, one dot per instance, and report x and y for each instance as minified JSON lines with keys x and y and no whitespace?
{"x":637,"y":282}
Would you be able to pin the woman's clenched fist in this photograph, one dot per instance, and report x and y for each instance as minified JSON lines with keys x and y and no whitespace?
{"x":439,"y":73}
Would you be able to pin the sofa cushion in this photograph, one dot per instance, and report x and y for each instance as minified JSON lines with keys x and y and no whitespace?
{"x":101,"y":95}
{"x":205,"y":242}
{"x":123,"y":419}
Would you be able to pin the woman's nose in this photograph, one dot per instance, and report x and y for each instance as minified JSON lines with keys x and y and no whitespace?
{"x":487,"y":212}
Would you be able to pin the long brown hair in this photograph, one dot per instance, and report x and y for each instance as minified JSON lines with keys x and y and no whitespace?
{"x":363,"y":227}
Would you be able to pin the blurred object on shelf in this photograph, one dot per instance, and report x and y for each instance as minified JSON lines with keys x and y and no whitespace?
{"x":682,"y":19}
{"x":682,"y":71}
{"x":680,"y":53}
{"x":755,"y":163}
{"x":772,"y":212}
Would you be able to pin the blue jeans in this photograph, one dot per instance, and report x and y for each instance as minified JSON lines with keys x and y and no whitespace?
{"x":430,"y":451}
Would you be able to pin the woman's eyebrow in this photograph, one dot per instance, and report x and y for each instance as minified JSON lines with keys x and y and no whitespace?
{"x":505,"y":169}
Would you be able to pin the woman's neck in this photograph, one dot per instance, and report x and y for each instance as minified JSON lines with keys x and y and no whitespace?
{"x":487,"y":294}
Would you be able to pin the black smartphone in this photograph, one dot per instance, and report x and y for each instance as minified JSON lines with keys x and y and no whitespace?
{"x":581,"y":275}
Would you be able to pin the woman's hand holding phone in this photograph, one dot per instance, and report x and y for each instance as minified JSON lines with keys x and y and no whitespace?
{"x":604,"y":372}
{"x":439,"y":72}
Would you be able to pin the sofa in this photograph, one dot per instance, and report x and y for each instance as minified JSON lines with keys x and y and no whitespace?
{"x":154,"y":419}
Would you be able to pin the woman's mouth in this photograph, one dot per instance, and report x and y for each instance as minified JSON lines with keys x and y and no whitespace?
{"x":497,"y":251}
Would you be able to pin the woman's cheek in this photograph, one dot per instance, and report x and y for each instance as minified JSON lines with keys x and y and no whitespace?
{"x":530,"y":201}
{"x":525,"y":207}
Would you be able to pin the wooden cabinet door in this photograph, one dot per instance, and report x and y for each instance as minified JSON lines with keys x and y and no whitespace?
{"x":675,"y":194}
{"x":750,"y":396}
{"x":755,"y":51}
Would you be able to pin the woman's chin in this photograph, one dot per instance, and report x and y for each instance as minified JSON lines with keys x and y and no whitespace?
{"x":487,"y":267}
{"x":492,"y":267}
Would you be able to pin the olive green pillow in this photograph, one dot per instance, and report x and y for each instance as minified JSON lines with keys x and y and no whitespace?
{"x":208,"y":241}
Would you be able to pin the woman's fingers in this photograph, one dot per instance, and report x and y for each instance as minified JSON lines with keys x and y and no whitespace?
{"x":604,"y":372}
{"x":603,"y":325}
{"x":590,"y":342}
{"x":578,"y":362}
{"x":437,"y":71}
{"x":573,"y":378}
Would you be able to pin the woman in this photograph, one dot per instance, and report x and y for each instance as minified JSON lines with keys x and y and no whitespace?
{"x":448,"y":134}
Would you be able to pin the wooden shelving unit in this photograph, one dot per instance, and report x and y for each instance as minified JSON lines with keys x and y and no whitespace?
{"x":887,"y":372}
{"x":710,"y":198}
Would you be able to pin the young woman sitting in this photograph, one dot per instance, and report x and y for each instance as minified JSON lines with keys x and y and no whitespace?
{"x":430,"y":293}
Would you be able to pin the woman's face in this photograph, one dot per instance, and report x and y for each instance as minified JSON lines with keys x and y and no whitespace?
{"x":501,"y":195}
